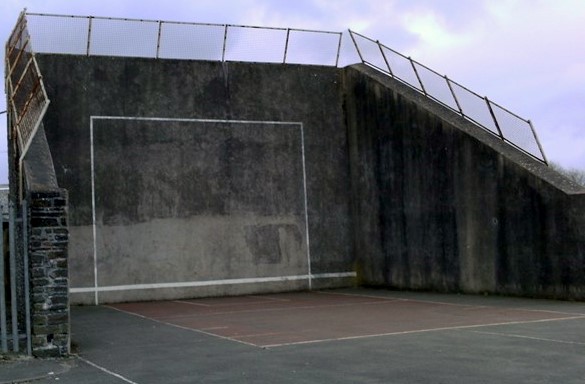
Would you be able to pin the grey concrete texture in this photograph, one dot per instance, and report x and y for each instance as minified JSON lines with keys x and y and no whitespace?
{"x":439,"y":204}
{"x":142,"y":351}
{"x":199,"y":200}
{"x":399,"y":188}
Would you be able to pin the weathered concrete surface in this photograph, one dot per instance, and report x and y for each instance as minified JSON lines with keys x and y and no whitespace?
{"x":440,"y":204}
{"x":191,"y":201}
{"x":402,"y":190}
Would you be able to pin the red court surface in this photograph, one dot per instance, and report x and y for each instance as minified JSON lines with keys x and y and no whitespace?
{"x":277,"y":320}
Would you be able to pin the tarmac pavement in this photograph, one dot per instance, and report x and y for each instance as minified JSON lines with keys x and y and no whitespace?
{"x":534,"y":341}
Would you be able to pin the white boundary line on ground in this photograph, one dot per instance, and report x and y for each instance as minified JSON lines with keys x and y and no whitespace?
{"x":529,"y":337}
{"x":96,"y":289}
{"x":420,"y":331}
{"x":207,"y":283}
{"x":116,"y":375}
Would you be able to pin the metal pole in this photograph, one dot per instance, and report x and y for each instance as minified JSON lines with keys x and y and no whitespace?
{"x":454,"y":96}
{"x":89,"y":35}
{"x":494,"y":118}
{"x":13,"y":306}
{"x":384,"y":57}
{"x":26,"y":276}
{"x":357,"y":48}
{"x":286,"y":45}
{"x":338,"y":49}
{"x":417,"y":76}
{"x":224,"y":43}
{"x":3,"y":332}
{"x":158,"y":39}
{"x":538,"y":142}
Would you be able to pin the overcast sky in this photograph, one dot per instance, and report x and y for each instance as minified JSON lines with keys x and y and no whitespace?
{"x":526,"y":55}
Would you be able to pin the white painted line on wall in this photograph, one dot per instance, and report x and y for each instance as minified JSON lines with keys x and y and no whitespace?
{"x":208,"y":283}
{"x":306,"y":208}
{"x":96,"y":289}
{"x":93,"y":218}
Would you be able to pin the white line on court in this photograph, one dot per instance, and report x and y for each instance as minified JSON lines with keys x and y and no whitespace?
{"x":271,"y":309}
{"x":530,"y":337}
{"x":419,"y":331}
{"x":184,"y":328}
{"x":97,"y":289}
{"x":105,"y":370}
{"x":394,"y":298}
{"x":206,"y":283}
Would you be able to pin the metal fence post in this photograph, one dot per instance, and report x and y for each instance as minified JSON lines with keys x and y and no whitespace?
{"x":384,"y":57}
{"x":26,"y":276}
{"x":13,"y":303}
{"x":3,"y":332}
{"x":417,"y":76}
{"x":537,"y":142}
{"x":286,"y":45}
{"x":224,"y":43}
{"x":454,"y":96}
{"x":338,"y":50}
{"x":494,"y":118}
{"x":357,"y":48}
{"x":89,"y":35}
{"x":158,"y":39}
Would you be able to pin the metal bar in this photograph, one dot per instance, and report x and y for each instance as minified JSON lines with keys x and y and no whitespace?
{"x":89,"y":35}
{"x":24,"y":71}
{"x":158,"y":39}
{"x":418,"y":77}
{"x":34,"y":130}
{"x":3,"y":331}
{"x":357,"y":48}
{"x":224,"y":43}
{"x":286,"y":46}
{"x":12,"y":42}
{"x":176,"y":22}
{"x":26,"y":276}
{"x":29,"y":100}
{"x":338,"y":49}
{"x":454,"y":95}
{"x":494,"y":118}
{"x":11,"y":69}
{"x":538,"y":142}
{"x":384,"y":57}
{"x":13,"y":303}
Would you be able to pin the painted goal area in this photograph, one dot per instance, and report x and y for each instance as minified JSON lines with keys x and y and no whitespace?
{"x":196,"y":203}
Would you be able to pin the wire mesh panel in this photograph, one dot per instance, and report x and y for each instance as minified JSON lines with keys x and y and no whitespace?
{"x":474,"y":107}
{"x":59,"y":34}
{"x":312,"y":47}
{"x":517,"y":131}
{"x":370,"y":52}
{"x":401,"y":67}
{"x":436,"y":86}
{"x":255,"y":44}
{"x":191,"y":41}
{"x":120,"y":37}
{"x":27,"y":100}
{"x":348,"y":54}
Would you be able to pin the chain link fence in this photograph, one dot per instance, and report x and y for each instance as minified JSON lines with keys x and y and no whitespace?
{"x":93,"y":36}
{"x":478,"y":109}
{"x":27,"y":99}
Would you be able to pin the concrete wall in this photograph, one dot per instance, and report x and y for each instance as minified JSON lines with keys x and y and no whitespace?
{"x":190,"y":178}
{"x":440,"y":204}
{"x":212,"y":186}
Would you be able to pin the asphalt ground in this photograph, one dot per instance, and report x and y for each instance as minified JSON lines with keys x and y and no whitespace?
{"x":340,"y":336}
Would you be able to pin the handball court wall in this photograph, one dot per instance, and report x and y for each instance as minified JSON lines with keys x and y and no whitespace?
{"x":195,"y":178}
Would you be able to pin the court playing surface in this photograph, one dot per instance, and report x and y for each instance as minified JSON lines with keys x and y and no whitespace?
{"x":340,"y":336}
{"x":278,"y":320}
